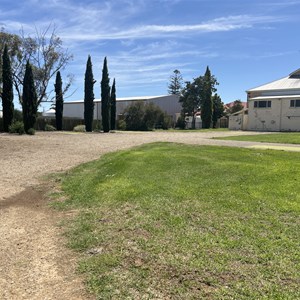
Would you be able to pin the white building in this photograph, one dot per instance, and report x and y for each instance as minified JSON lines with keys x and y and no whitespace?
{"x":275,"y":106}
{"x":238,"y":120}
{"x":167,"y":103}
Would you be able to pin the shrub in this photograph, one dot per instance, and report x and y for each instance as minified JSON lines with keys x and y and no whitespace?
{"x":140,"y":116}
{"x":97,"y":125}
{"x":31,"y":131}
{"x":79,"y":128}
{"x":134,"y":115}
{"x":166,"y":122}
{"x":18,"y":115}
{"x":180,"y":123}
{"x":17,"y":127}
{"x":49,"y":127}
{"x":121,"y":125}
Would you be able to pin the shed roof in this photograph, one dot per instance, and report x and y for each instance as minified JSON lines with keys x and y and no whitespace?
{"x":286,"y":83}
{"x":141,"y":98}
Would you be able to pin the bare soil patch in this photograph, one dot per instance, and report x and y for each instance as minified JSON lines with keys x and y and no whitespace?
{"x":34,"y":262}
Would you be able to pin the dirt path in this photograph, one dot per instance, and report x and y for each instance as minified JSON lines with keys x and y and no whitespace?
{"x":34,"y":262}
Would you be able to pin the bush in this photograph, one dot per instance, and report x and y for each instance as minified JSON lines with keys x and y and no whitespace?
{"x":17,"y":127}
{"x":1,"y":124}
{"x":140,"y":116}
{"x":49,"y":127}
{"x":18,"y":115}
{"x":79,"y":128}
{"x":134,"y":115}
{"x":121,"y":125}
{"x":180,"y":123}
{"x":97,"y":125}
{"x":31,"y":131}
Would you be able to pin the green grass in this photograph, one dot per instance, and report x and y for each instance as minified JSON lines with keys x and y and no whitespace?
{"x":171,"y":221}
{"x":282,"y":138}
{"x":198,"y":130}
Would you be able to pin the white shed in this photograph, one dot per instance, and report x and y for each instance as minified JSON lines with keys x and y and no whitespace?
{"x":238,"y":120}
{"x":168,"y":103}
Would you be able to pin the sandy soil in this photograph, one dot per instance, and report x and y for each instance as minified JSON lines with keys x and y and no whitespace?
{"x":34,"y":262}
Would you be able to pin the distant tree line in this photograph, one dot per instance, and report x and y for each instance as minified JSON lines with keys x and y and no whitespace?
{"x":27,"y":66}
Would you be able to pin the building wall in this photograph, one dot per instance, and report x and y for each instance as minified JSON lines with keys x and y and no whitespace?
{"x":279,"y":117}
{"x":264,"y":119}
{"x":290,"y":119}
{"x":238,"y":121}
{"x":73,"y":110}
{"x":169,"y":104}
{"x":235,"y":122}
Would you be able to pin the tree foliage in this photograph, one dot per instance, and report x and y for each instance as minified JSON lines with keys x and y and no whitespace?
{"x":237,"y":106}
{"x":218,"y":109}
{"x":113,"y":106}
{"x":206,"y":105}
{"x":29,"y":103}
{"x":141,"y":116}
{"x":190,"y":100}
{"x":89,"y":96}
{"x":196,"y":96}
{"x":46,"y":55}
{"x":176,"y":83}
{"x":59,"y":102}
{"x":105,"y":98}
{"x":7,"y":91}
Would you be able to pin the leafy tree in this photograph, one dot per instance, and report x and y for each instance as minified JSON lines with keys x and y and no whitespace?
{"x":29,"y":103}
{"x":237,"y":106}
{"x":89,"y":96}
{"x":105,"y":98}
{"x":195,"y":97}
{"x":46,"y":54}
{"x":7,"y":91}
{"x":113,"y":106}
{"x":176,"y":83}
{"x":190,"y":101}
{"x":218,"y":109}
{"x":206,"y":105}
{"x":59,"y":102}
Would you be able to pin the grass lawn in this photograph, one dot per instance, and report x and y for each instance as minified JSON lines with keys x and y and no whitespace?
{"x":199,"y":130}
{"x":283,"y":138}
{"x":172,"y":221}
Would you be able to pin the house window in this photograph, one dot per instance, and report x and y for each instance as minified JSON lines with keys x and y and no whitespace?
{"x":295,"y":103}
{"x":262,"y":104}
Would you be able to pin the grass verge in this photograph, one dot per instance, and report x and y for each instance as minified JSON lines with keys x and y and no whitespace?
{"x":282,"y":138}
{"x":172,"y":221}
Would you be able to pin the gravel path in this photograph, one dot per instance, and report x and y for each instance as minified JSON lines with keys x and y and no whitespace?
{"x":34,"y":263}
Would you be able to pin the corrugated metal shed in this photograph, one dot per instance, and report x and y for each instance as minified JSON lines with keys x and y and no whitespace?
{"x":141,"y":98}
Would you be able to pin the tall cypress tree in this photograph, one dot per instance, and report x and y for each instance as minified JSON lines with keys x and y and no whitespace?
{"x":7,"y":92}
{"x":218,"y":109}
{"x":59,"y":102}
{"x":29,"y":103}
{"x":89,"y":96}
{"x":207,"y":105}
{"x":113,"y":108}
{"x":105,"y":98}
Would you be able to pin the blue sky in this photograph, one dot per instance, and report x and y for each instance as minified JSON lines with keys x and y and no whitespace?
{"x":245,"y":43}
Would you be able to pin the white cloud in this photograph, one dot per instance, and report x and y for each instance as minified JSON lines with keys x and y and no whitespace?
{"x":156,"y":31}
